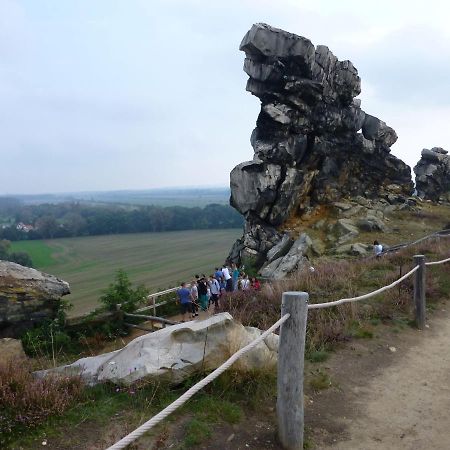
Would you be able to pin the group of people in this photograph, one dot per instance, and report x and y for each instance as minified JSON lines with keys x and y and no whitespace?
{"x":204,"y":290}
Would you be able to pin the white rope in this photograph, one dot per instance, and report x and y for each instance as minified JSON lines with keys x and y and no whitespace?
{"x":362,"y":297}
{"x":433,"y":263}
{"x":127,"y":440}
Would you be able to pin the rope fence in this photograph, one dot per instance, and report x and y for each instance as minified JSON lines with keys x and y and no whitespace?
{"x":127,"y":440}
{"x":365,"y":296}
{"x":291,"y":358}
{"x":437,"y":234}
{"x":434,"y":263}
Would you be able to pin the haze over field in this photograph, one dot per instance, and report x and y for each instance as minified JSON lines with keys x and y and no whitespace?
{"x":134,"y":95}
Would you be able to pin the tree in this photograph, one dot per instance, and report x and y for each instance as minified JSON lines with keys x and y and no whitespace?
{"x":74,"y":223}
{"x":21,"y":258}
{"x":121,"y":291}
{"x":4,"y":249}
{"x":47,"y":225}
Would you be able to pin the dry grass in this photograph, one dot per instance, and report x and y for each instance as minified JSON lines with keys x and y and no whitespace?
{"x":26,"y":401}
{"x":333,"y":280}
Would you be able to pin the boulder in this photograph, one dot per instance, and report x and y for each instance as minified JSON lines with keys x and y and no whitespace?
{"x":176,"y":352}
{"x":371,"y":223}
{"x":375,"y":129}
{"x":433,"y":175}
{"x":294,"y":260}
{"x":313,"y":144}
{"x":280,"y":249}
{"x":357,"y":249}
{"x":27,"y":297}
{"x":344,"y":230}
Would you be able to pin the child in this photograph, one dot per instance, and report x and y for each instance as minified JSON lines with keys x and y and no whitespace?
{"x":256,"y":285}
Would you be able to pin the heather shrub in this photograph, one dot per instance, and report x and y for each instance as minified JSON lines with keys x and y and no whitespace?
{"x":26,"y":401}
{"x":336,"y":279}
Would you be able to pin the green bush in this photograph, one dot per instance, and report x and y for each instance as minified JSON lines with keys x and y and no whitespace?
{"x":122,"y":292}
{"x":50,"y":337}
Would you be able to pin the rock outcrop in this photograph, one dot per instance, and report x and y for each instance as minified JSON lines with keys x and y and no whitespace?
{"x":433,"y":175}
{"x":313,"y":144}
{"x":176,"y":352}
{"x":27,"y":297}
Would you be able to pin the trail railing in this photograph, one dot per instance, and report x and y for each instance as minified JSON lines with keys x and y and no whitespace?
{"x":291,"y":357}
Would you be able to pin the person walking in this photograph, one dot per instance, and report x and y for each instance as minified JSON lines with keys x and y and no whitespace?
{"x":227,"y":277}
{"x":214,"y":288}
{"x":235,"y":276}
{"x":218,"y":274}
{"x":185,"y":300}
{"x":202,"y":286}
{"x":194,"y":296}
{"x":245,"y":283}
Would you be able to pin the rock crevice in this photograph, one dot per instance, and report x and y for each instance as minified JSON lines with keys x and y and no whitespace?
{"x":313,"y":144}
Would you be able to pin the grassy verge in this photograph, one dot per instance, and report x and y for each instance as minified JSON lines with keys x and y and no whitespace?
{"x":333,"y":280}
{"x":228,"y":400}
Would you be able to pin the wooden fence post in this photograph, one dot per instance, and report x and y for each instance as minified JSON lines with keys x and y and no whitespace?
{"x":419,"y":291}
{"x":154,"y":305}
{"x":291,"y":361}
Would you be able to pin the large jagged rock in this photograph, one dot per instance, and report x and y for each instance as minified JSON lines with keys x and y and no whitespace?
{"x":313,"y":144}
{"x":27,"y":297}
{"x":176,"y":352}
{"x":294,"y":260}
{"x":433,"y":175}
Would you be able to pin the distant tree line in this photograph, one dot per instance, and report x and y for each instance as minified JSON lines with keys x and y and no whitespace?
{"x":47,"y":221}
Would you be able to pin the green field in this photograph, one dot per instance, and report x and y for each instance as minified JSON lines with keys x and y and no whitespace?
{"x":158,"y":260}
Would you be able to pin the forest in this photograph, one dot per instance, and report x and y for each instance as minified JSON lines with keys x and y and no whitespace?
{"x":19,"y":221}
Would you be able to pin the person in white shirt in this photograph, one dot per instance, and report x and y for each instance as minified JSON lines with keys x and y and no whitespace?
{"x":245,"y":283}
{"x":377,"y":248}
{"x":227,"y":278}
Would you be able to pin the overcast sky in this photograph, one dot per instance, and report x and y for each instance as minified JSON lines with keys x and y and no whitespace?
{"x":135,"y":94}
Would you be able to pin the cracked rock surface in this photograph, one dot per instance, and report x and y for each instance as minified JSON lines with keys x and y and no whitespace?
{"x":313,"y":144}
{"x":27,"y":296}
{"x":433,"y":175}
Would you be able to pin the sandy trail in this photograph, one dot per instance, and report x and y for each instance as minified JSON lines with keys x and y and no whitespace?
{"x":407,"y":405}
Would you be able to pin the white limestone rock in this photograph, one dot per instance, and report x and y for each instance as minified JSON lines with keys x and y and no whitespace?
{"x":176,"y":352}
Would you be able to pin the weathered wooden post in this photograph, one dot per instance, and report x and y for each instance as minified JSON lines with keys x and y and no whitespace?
{"x":291,"y":361}
{"x":154,"y":305}
{"x":419,"y":291}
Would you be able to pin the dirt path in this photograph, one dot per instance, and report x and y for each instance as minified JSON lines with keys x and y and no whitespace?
{"x":402,"y":406}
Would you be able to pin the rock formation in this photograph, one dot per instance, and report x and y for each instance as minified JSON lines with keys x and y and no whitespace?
{"x":313,"y":144}
{"x":176,"y":352}
{"x":433,"y":175}
{"x":27,"y":297}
